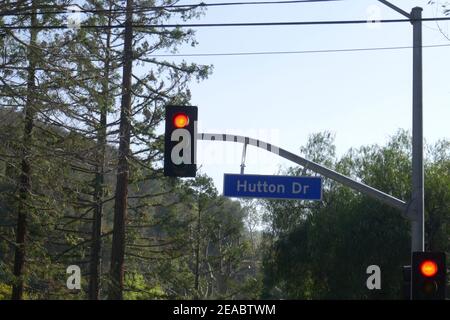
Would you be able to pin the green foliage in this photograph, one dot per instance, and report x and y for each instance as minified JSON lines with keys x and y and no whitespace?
{"x":321,"y":251}
{"x":5,"y":291}
{"x":76,"y":84}
{"x":138,"y":289}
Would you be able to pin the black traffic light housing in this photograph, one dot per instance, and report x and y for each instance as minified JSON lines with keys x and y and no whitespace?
{"x":428,"y":276}
{"x":180,"y":141}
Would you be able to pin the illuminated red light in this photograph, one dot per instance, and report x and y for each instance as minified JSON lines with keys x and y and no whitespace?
{"x":180,"y":120}
{"x":428,"y":268}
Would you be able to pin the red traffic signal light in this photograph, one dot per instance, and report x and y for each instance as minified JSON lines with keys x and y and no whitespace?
{"x":428,"y":276}
{"x":428,"y":268}
{"x":180,"y":120}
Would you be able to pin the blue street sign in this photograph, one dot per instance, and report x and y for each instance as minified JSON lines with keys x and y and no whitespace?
{"x":272,"y":187}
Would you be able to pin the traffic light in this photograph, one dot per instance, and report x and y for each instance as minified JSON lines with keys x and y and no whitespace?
{"x":180,"y":141}
{"x":429,"y":275}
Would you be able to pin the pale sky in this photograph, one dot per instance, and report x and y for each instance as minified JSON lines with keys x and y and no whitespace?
{"x":362,"y":97}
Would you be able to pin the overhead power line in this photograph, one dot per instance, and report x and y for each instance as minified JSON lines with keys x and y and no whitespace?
{"x":252,"y":53}
{"x":141,"y":9}
{"x":239,"y":24}
{"x":259,"y":3}
{"x":294,"y":52}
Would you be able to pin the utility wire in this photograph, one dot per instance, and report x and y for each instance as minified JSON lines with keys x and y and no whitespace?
{"x":240,"y":24}
{"x":258,"y":3}
{"x":141,"y":9}
{"x":294,"y":52}
{"x":224,"y":54}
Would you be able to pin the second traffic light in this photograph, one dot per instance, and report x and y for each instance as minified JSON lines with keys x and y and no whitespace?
{"x":180,"y":141}
{"x":428,"y":276}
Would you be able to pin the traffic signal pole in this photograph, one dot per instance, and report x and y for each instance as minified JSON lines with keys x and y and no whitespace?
{"x":416,"y":213}
{"x":416,"y":205}
{"x":416,"y":210}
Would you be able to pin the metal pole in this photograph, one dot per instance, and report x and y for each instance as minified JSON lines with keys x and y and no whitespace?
{"x":244,"y":152}
{"x":417,"y":200}
{"x":416,"y":206}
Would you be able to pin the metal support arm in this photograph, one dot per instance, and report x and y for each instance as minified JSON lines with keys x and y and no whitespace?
{"x":347,"y":181}
{"x":395,"y":8}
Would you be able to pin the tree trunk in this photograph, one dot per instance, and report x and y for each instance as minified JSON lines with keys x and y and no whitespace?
{"x":197,"y":256}
{"x":96,"y":246}
{"x":120,"y":205}
{"x":24,"y":179}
